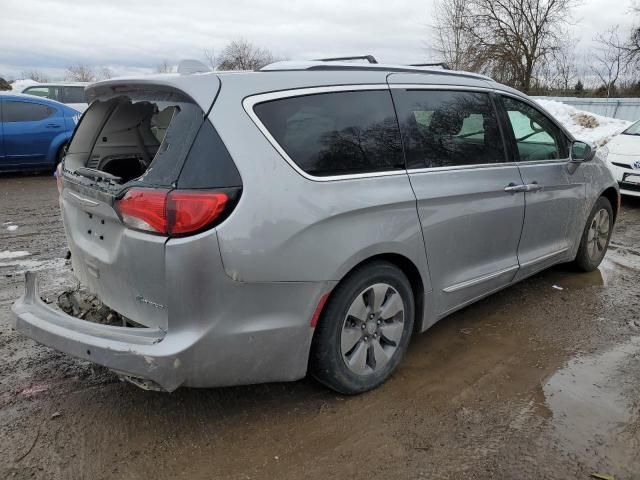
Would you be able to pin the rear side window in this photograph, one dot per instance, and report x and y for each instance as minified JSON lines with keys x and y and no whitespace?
{"x":448,"y":128}
{"x":336,"y":133}
{"x":45,"y":92}
{"x":14,"y":111}
{"x":72,"y":95}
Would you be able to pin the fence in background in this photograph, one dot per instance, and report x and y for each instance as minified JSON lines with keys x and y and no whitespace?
{"x":622,"y":108}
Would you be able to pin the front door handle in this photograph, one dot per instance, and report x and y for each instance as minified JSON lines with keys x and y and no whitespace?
{"x":530,"y":187}
{"x":513,"y":188}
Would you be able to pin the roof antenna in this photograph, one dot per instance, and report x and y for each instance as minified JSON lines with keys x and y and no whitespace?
{"x":188,"y":66}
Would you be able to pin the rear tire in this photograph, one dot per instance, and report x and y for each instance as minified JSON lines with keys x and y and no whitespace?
{"x":364,"y":329}
{"x":595,"y":237}
{"x":60,"y":154}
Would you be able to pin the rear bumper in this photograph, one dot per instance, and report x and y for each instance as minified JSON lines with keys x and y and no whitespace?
{"x":137,"y":352}
{"x":261,"y":333}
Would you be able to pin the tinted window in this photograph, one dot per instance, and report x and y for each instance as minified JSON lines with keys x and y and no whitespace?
{"x":45,"y":92}
{"x":72,"y":95}
{"x":14,"y":111}
{"x":336,"y":133}
{"x":447,"y":128}
{"x":537,"y":138}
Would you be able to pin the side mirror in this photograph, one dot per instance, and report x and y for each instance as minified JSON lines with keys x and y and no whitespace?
{"x":582,"y":152}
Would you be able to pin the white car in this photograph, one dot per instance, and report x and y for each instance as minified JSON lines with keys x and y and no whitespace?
{"x":71,"y":94}
{"x":624,"y":159}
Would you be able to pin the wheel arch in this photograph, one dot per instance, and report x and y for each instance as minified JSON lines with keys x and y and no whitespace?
{"x":410,"y":270}
{"x":58,"y":142}
{"x":613,"y":196}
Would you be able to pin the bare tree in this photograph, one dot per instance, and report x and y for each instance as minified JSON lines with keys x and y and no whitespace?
{"x":105,"y":73}
{"x":210,"y":57}
{"x":452,"y":41}
{"x":507,"y":39}
{"x":633,"y":43}
{"x":35,"y":75}
{"x":563,"y":64}
{"x":243,"y":55}
{"x":80,"y":73}
{"x":164,"y":67}
{"x":611,"y":58}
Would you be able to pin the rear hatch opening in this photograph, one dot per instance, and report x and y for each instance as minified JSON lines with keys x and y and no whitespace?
{"x":144,"y":165}
{"x":128,"y":132}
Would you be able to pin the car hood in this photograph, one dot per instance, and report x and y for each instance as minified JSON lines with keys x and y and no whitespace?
{"x":625,"y":145}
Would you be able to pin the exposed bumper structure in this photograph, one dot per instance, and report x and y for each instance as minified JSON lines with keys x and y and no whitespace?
{"x":136,"y":352}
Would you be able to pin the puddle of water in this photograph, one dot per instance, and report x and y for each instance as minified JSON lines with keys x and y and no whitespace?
{"x":592,"y":405}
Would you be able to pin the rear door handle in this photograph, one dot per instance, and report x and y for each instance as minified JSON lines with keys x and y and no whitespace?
{"x":53,"y":125}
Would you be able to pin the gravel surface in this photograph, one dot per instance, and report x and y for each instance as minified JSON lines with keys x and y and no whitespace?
{"x":541,"y":380}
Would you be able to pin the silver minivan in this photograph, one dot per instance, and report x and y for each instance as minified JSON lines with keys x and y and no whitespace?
{"x":308,"y":217}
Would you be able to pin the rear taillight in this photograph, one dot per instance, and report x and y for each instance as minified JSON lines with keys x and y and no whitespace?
{"x":173,"y":213}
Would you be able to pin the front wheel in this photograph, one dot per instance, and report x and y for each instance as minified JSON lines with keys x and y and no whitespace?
{"x":596,"y":236}
{"x":364,"y":330}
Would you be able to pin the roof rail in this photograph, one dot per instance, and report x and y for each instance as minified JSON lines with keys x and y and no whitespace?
{"x":368,"y":58}
{"x":309,"y":65}
{"x":444,"y":65}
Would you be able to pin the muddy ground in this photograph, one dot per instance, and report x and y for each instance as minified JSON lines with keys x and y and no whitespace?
{"x":533,"y":382}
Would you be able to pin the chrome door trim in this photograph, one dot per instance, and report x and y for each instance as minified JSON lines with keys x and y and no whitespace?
{"x":250,"y":102}
{"x":543,"y":258}
{"x":478,"y":280}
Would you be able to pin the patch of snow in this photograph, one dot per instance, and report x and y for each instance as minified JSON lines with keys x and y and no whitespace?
{"x":22,"y":265}
{"x":579,"y":123}
{"x":7,"y":254}
{"x":19,"y":85}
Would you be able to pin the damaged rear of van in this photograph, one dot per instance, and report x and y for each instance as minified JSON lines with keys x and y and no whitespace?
{"x":145,"y":181}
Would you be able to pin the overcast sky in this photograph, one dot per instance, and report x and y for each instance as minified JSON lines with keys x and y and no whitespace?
{"x":131,"y":36}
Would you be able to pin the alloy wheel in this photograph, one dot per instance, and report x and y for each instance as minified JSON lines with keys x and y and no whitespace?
{"x":372,"y":329}
{"x":598,"y":234}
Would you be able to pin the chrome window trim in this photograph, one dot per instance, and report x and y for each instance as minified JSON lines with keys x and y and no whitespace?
{"x":250,"y":102}
{"x":461,"y":167}
{"x":550,"y":161}
{"x":431,"y":86}
{"x":478,"y":280}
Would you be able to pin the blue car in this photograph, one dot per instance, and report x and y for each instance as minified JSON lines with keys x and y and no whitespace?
{"x":33,"y":132}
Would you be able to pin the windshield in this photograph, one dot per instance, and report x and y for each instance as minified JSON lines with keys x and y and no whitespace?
{"x":634,"y":129}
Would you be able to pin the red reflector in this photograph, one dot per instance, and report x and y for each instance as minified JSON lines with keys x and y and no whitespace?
{"x":192,"y":211}
{"x":178,"y":212}
{"x":318,"y":310}
{"x":58,"y":176}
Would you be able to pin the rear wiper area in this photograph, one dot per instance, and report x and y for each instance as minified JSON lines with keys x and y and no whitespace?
{"x":98,"y":175}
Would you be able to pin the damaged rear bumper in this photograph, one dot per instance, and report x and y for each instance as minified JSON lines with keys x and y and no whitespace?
{"x":137,"y":354}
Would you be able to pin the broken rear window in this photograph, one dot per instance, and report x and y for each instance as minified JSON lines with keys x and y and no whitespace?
{"x":135,"y":134}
